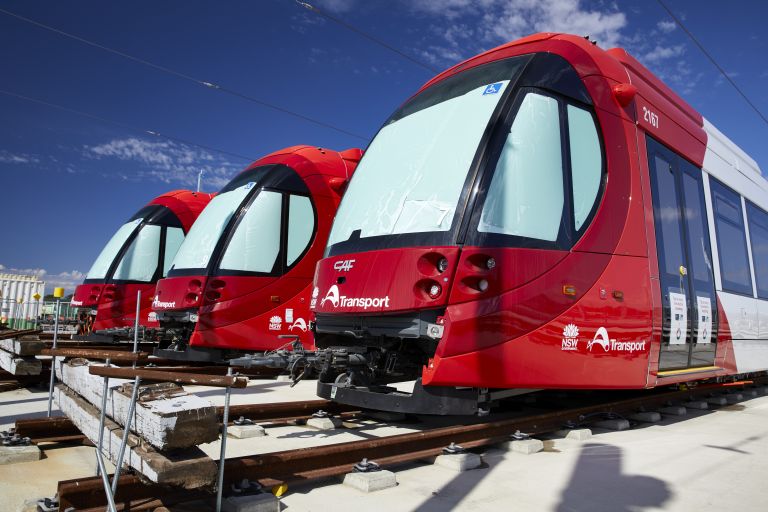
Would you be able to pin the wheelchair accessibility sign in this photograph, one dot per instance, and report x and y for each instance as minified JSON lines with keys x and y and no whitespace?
{"x":493,"y":88}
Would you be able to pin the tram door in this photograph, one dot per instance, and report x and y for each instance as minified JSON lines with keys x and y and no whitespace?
{"x":689,"y":328}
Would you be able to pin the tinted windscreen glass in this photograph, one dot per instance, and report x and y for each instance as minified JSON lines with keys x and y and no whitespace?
{"x":197,"y":248}
{"x":101,"y":266}
{"x":412,"y":174}
{"x":140,"y":260}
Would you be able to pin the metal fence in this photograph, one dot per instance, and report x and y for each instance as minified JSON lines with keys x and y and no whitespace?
{"x":37,"y":314}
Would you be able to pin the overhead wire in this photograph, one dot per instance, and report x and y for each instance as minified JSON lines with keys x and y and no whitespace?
{"x":124,"y":125}
{"x":709,"y":56}
{"x":366,"y":35}
{"x":184,"y":76}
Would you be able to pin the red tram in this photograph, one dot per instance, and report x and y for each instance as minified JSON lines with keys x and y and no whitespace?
{"x":243,"y":276}
{"x":547,"y":214}
{"x":134,"y":259}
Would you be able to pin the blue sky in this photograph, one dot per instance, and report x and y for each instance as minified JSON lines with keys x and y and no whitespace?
{"x":67,"y":181}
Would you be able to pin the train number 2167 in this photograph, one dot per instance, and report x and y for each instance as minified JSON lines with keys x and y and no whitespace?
{"x":650,"y":117}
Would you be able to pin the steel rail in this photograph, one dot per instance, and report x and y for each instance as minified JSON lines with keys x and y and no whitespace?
{"x":307,"y":464}
{"x":89,"y":353}
{"x":170,"y":376}
{"x":13,"y":333}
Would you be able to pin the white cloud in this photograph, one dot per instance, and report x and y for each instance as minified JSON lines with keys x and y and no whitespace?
{"x":477,"y":25}
{"x":660,"y":53}
{"x":666,"y":26}
{"x":7,"y":157}
{"x":167,"y":161}
{"x":334,"y":5}
{"x":67,"y":280}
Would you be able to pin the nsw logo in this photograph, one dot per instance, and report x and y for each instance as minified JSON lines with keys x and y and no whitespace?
{"x":570,"y":337}
{"x":315,"y":293}
{"x":275,"y":323}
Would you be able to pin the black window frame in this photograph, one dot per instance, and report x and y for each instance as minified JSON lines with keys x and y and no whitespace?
{"x":568,"y":235}
{"x":754,"y":211}
{"x":155,"y":215}
{"x":724,"y":191}
{"x":546,"y":72}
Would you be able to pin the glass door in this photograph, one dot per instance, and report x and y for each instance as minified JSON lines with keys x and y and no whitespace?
{"x":689,"y":324}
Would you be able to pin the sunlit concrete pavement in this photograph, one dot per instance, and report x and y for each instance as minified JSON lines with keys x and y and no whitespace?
{"x":707,"y":460}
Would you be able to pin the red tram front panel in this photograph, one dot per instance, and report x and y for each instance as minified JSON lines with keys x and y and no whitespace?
{"x":488,"y":288}
{"x":236,"y":306}
{"x":134,"y":259}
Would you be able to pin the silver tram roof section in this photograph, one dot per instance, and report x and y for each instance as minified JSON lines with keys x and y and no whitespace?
{"x":727,"y":162}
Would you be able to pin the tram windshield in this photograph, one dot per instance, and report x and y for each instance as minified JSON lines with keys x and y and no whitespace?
{"x":101,"y":266}
{"x":414,"y":171}
{"x":202,"y":239}
{"x":198,"y":247}
{"x":133,"y":252}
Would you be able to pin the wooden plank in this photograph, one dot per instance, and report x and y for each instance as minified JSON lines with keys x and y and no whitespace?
{"x":167,"y":423}
{"x":189,"y":468}
{"x":22,"y":347}
{"x":16,"y":365}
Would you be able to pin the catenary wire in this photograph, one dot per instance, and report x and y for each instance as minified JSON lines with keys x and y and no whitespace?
{"x":376,"y":40}
{"x":178,"y":74}
{"x":712,"y":60}
{"x":123,"y":125}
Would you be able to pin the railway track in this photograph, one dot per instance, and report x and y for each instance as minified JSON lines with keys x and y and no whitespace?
{"x":61,"y":429}
{"x":305,"y":465}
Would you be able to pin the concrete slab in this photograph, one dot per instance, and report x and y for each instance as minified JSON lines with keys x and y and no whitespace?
{"x":178,"y":420}
{"x":645,"y":416}
{"x":246,"y":431}
{"x":329,"y":423}
{"x":459,"y":461}
{"x":612,"y":424}
{"x":734,"y":398}
{"x":525,"y":446}
{"x":696,"y":404}
{"x":283,"y":378}
{"x":673,"y":410}
{"x":22,"y":347}
{"x":372,"y":481}
{"x":576,"y":434}
{"x":265,"y":502}
{"x":14,"y":454}
{"x":189,"y":468}
{"x":717,"y":400}
{"x":17,"y":365}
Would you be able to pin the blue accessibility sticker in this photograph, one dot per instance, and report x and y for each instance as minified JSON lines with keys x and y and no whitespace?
{"x":493,"y":88}
{"x":249,"y":185}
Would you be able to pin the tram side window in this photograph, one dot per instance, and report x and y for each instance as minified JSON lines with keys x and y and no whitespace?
{"x":301,"y":225}
{"x":173,"y":240}
{"x":526,"y":195}
{"x":586,"y":163}
{"x":255,"y":244}
{"x":731,"y":239}
{"x":139,"y":262}
{"x":758,"y":235}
